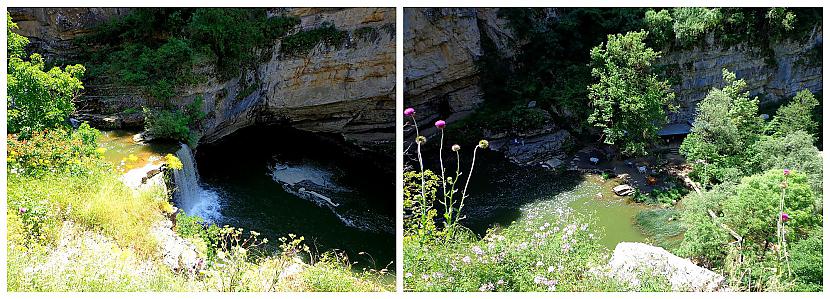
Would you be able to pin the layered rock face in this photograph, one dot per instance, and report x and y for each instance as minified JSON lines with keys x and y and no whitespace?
{"x":348,"y":89}
{"x":793,"y":67}
{"x":441,"y":50}
{"x":51,"y":31}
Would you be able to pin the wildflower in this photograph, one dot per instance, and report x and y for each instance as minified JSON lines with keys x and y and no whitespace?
{"x":409,"y":111}
{"x":785,"y":217}
{"x":786,"y":171}
{"x":551,"y":269}
{"x":408,"y":275}
{"x":539,"y":280}
{"x":566,"y":247}
{"x":425,"y":277}
{"x":22,"y":210}
{"x":440,"y":124}
{"x":421,"y":140}
{"x":438,"y":275}
{"x":466,"y":259}
{"x":477,"y":250}
{"x":551,"y":283}
{"x":540,"y":264}
{"x":500,"y":282}
{"x":456,"y":147}
{"x":483,"y":144}
{"x":487,"y":287}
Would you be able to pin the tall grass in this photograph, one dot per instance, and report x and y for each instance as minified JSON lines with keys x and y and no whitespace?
{"x":98,"y":201}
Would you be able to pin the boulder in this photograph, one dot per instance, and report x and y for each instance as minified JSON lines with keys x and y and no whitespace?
{"x":632,"y":260}
{"x":177,"y":253}
{"x":623,"y":190}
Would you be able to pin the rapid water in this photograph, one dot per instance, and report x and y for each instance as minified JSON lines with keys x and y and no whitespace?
{"x":190,"y":195}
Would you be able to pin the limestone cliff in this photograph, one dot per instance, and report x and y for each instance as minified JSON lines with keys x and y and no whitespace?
{"x":441,"y":50}
{"x":347,"y":89}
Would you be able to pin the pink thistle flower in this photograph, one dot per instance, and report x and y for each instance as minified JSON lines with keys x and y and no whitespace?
{"x":785,"y":217}
{"x":786,"y":171}
{"x":440,"y":124}
{"x":409,"y":111}
{"x":22,"y":210}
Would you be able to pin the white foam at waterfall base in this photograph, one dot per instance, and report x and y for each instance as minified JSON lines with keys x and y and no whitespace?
{"x":190,"y":196}
{"x":297,"y":173}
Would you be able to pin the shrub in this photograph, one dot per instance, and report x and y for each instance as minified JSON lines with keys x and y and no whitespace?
{"x":726,"y":126}
{"x":691,"y":23}
{"x":167,"y":124}
{"x":660,"y":26}
{"x":301,"y":43}
{"x":53,"y":151}
{"x":793,"y":151}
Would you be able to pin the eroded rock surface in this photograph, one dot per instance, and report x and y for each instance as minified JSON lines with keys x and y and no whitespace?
{"x":631,"y":261}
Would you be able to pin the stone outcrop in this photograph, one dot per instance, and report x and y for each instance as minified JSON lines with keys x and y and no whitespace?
{"x":545,"y":149}
{"x":52,"y":31}
{"x":441,"y":49}
{"x":632,"y":261}
{"x":346,"y":89}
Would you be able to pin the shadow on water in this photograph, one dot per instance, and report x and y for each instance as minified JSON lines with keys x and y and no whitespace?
{"x":499,"y":189}
{"x":239,"y":168}
{"x":501,"y":192}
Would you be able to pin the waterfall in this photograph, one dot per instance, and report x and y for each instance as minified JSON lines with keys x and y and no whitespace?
{"x":190,"y":196}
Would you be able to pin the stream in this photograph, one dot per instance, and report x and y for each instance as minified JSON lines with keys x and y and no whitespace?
{"x":255,"y":181}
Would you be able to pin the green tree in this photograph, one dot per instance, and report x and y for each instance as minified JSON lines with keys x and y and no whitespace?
{"x":629,"y":100}
{"x":704,"y":239}
{"x":797,"y":115}
{"x":38,"y":99}
{"x":725,"y":128}
{"x":660,"y":25}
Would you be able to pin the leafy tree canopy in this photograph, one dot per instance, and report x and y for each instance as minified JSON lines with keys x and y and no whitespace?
{"x":629,"y":100}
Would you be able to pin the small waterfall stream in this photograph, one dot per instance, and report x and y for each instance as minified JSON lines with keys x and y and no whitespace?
{"x":190,"y":196}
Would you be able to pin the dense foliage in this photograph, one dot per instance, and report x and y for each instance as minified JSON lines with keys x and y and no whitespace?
{"x":175,"y":124}
{"x":761,"y":259}
{"x":797,"y":115}
{"x":726,"y":126}
{"x":759,"y":220}
{"x":629,"y":101}
{"x":158,"y":48}
{"x":37,"y":99}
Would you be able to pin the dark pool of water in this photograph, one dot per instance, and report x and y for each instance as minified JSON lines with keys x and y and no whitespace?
{"x":238,"y":168}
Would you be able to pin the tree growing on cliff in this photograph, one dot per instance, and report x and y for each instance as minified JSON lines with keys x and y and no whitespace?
{"x":37,"y":99}
{"x":721,"y":141}
{"x":629,"y":100}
